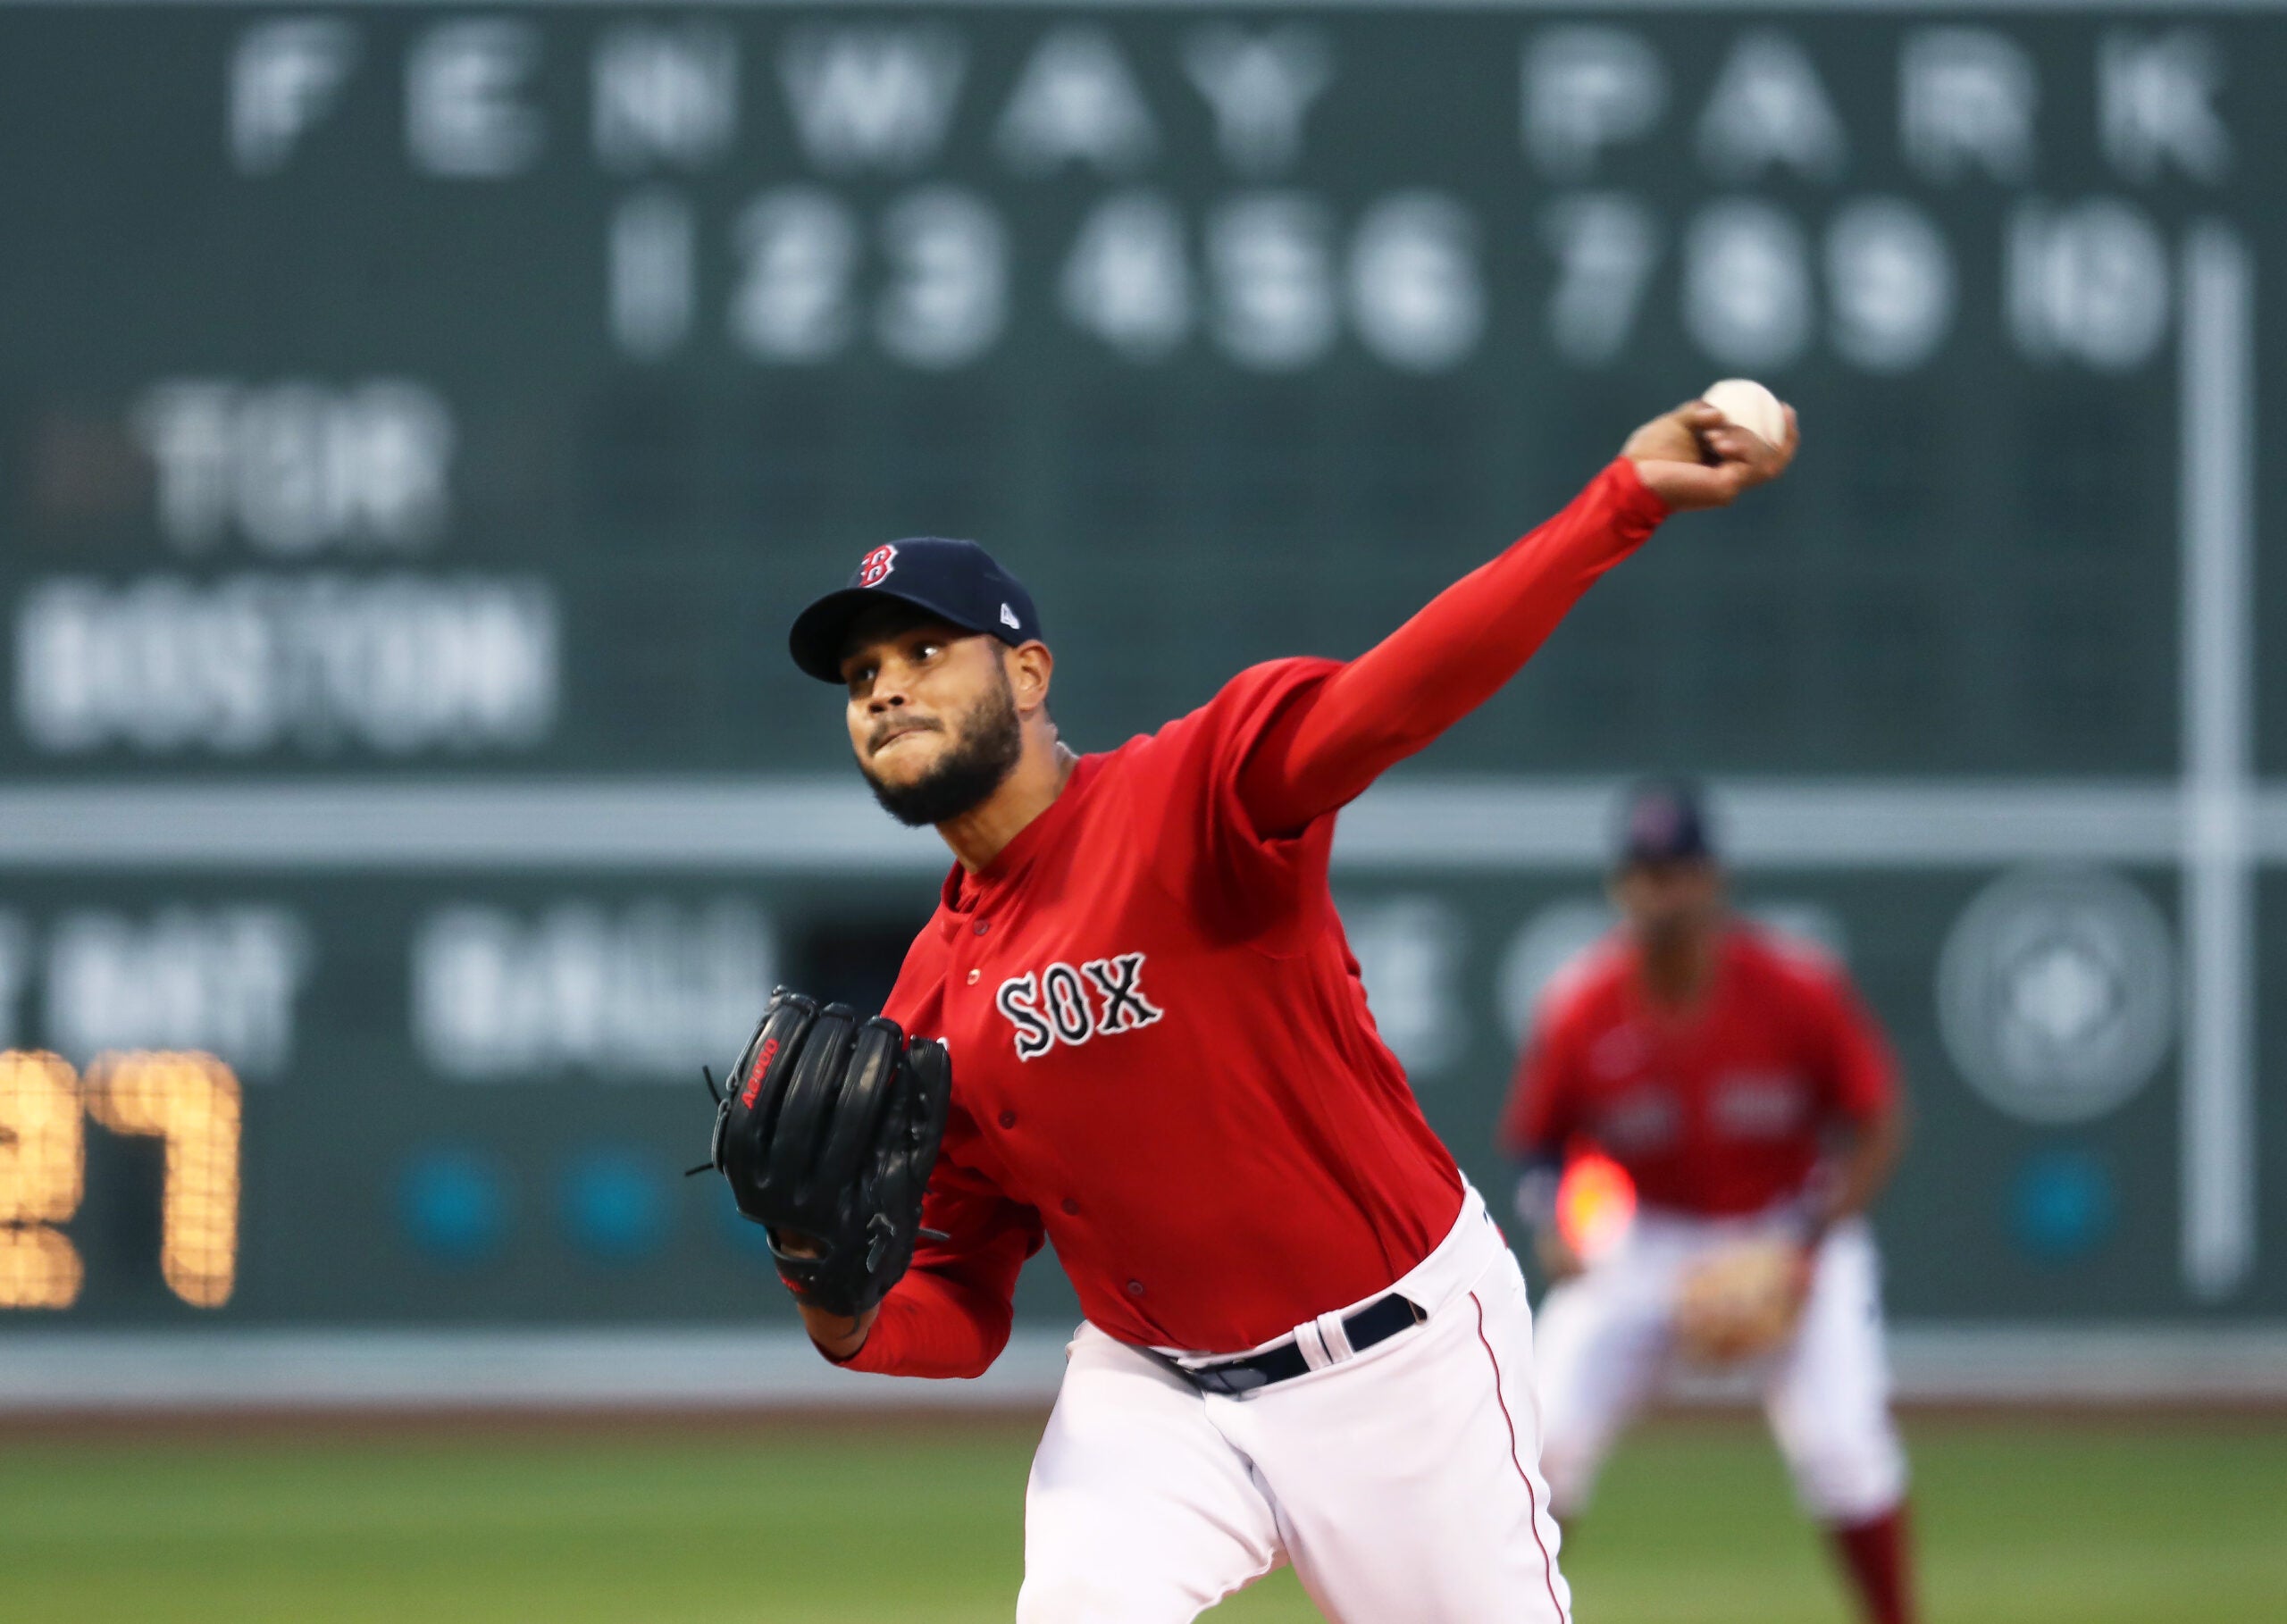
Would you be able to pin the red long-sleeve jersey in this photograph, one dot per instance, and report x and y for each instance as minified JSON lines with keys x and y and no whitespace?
{"x":1162,"y":1057}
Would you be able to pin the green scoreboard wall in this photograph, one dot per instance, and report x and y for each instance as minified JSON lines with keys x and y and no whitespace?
{"x":417,"y":426}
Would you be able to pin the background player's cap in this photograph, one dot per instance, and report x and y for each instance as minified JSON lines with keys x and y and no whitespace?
{"x":1663,"y":821}
{"x":955,"y":581}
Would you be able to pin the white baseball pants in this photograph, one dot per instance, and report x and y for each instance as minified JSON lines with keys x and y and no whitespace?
{"x":1402,"y":1483}
{"x":1607,"y":1345}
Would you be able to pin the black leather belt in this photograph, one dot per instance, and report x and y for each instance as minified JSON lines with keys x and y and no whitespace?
{"x":1377,"y":1322}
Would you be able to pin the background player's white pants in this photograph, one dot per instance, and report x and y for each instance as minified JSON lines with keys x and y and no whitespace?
{"x":1400,"y":1483}
{"x":1607,"y":1344}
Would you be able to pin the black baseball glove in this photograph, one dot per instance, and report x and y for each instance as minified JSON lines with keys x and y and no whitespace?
{"x":826,"y":1136}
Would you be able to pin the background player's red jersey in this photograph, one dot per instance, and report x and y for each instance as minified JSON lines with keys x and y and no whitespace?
{"x":1716,"y":1109}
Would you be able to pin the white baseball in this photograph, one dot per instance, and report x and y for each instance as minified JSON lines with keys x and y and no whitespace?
{"x":1751,"y":407}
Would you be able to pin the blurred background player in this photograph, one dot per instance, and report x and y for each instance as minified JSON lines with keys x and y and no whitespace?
{"x":1750,"y":1096}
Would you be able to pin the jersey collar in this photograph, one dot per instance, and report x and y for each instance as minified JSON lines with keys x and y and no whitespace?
{"x":957,"y":900}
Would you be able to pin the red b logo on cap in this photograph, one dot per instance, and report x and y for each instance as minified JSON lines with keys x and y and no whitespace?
{"x":876,"y":566}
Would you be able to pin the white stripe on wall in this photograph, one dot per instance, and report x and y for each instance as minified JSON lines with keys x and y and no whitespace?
{"x":828,"y":825}
{"x":60,"y":1373}
{"x":2218,"y":503}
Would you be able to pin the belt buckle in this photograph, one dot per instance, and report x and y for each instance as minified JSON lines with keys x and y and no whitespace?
{"x":1234,"y":1380}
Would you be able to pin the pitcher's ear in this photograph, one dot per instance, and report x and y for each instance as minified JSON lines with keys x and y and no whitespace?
{"x":1031,"y":668}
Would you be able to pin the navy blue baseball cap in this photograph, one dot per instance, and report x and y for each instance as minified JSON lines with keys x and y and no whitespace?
{"x":957,"y":581}
{"x":1663,"y":821}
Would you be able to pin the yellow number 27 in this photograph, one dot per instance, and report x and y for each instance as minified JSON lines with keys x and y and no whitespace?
{"x":189,"y":1100}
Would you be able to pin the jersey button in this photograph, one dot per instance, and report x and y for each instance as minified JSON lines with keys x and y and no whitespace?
{"x":1008,"y":1118}
{"x":1070,"y":1205}
{"x":1135,"y":1288}
{"x":973,"y":975}
{"x":982,"y":927}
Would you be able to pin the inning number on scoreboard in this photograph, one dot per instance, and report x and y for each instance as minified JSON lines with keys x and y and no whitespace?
{"x":42,"y":1157}
{"x":189,"y":1101}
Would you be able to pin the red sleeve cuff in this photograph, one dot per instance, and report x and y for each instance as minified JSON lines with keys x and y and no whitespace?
{"x":1637,"y":505}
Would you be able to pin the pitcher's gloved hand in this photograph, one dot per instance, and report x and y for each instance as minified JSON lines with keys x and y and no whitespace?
{"x":828,"y":1135}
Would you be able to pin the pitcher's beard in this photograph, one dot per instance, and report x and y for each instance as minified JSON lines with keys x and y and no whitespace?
{"x":978,"y":762}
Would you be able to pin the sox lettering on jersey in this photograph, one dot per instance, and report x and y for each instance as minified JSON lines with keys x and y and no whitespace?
{"x":1060,"y":1004}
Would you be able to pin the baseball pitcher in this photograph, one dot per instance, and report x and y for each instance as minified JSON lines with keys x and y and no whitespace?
{"x":1134,"y":1028}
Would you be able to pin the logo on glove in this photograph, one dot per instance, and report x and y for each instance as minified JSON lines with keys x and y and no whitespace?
{"x":753,"y":1088}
